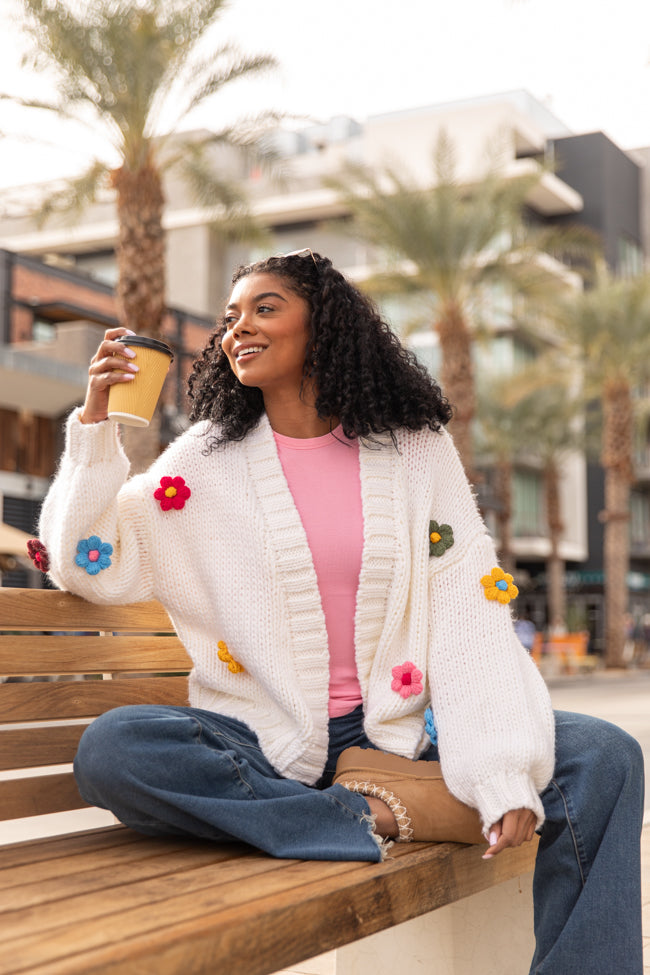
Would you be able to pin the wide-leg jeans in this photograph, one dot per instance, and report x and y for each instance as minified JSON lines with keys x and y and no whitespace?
{"x":172,"y":770}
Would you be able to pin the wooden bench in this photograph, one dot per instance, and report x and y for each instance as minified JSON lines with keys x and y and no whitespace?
{"x":107,"y":900}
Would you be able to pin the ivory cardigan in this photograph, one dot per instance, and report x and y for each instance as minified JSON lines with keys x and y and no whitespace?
{"x":224,"y":550}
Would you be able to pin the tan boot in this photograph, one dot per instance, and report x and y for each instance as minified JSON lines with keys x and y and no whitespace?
{"x":423,"y":807}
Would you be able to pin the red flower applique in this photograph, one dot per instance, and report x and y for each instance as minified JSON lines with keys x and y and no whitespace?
{"x":407,"y":679}
{"x":172,"y":493}
{"x":38,"y":554}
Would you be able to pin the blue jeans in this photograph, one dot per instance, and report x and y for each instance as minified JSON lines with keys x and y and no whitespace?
{"x":171,"y":770}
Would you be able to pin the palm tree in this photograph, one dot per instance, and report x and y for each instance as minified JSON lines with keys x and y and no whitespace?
{"x":550,"y":424}
{"x":608,"y":327}
{"x":460,"y":246}
{"x":121,"y":66}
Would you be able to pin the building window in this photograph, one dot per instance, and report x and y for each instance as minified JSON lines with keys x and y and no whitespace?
{"x":528,"y":516}
{"x":639,"y":520}
{"x":629,"y":261}
{"x":20,"y":513}
{"x":101,"y":265}
{"x":43,"y":331}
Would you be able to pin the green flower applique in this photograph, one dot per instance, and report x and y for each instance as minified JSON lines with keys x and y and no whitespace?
{"x":441,"y":537}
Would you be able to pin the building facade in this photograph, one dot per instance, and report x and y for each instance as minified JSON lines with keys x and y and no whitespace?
{"x":52,"y":319}
{"x":593,"y":182}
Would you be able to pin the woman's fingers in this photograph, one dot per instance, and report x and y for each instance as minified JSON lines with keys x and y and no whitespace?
{"x":110,"y":348}
{"x":516,"y":827}
{"x":111,"y":364}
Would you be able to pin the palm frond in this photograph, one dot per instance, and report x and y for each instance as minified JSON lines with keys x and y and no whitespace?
{"x":209,"y":77}
{"x":73,"y":198}
{"x":223,"y":197}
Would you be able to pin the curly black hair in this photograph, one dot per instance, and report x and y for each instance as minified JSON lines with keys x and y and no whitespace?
{"x":362,"y":373}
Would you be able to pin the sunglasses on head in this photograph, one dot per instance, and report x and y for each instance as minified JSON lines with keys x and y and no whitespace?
{"x":301,"y":253}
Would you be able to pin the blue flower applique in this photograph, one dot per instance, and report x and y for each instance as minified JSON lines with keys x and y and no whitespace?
{"x":430,"y":726}
{"x":93,"y":555}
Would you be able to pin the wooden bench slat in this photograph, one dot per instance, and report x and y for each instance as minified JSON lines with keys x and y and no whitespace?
{"x":213,"y":887}
{"x":161,"y":883}
{"x":67,"y":844}
{"x":84,"y":699}
{"x":85,"y":872}
{"x":39,"y":609}
{"x":39,"y":795}
{"x":35,"y":747}
{"x":278,"y":925}
{"x":44,"y":655}
{"x":142,"y":879}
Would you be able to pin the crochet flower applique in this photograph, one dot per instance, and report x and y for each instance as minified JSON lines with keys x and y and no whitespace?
{"x":441,"y":537}
{"x":407,"y":679}
{"x":93,"y":555}
{"x":224,"y":654}
{"x":38,"y":554}
{"x":499,"y":585}
{"x":172,"y":493}
{"x":430,"y":726}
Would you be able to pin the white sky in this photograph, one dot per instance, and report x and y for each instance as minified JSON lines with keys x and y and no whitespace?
{"x":589,"y":60}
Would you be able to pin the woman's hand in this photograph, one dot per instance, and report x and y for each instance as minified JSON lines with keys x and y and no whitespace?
{"x":516,"y":827}
{"x":111,"y":364}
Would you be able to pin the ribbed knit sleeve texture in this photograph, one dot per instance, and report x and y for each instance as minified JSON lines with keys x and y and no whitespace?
{"x":216,"y":537}
{"x":85,"y":502}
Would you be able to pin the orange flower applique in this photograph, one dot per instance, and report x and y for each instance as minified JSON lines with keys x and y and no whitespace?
{"x":499,"y":585}
{"x":224,"y":654}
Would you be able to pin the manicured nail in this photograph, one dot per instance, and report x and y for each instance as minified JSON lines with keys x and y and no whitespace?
{"x":487,"y":856}
{"x":127,"y":351}
{"x":132,"y":366}
{"x":493,"y":838}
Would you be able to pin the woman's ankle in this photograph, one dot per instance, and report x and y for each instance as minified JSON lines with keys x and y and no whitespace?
{"x":385,"y":822}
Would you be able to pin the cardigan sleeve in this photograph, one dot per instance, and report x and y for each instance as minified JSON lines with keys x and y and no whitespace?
{"x":492,"y":709}
{"x":92,"y":519}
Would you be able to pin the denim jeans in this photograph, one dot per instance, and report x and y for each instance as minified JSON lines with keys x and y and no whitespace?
{"x":172,"y":770}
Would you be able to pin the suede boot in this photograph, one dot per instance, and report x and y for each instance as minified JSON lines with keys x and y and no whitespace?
{"x":423,"y":807}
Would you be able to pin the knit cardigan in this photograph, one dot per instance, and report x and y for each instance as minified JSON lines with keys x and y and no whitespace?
{"x":225,"y":551}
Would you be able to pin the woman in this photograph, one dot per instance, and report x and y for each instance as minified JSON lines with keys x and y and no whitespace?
{"x":317,"y":546}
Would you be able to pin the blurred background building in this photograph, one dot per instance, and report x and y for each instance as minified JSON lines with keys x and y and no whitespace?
{"x":56,"y":299}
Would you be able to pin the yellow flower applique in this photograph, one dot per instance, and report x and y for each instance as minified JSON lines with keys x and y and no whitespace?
{"x":224,"y":654}
{"x":499,"y":585}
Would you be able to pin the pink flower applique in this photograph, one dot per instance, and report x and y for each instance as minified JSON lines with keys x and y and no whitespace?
{"x":407,"y":679}
{"x":172,"y":493}
{"x":38,"y":554}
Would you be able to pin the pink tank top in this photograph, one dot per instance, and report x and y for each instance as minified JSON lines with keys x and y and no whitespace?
{"x":323,"y":477}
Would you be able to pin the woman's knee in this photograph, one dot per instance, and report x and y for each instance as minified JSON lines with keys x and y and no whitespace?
{"x":608,"y":752}
{"x":102,"y":753}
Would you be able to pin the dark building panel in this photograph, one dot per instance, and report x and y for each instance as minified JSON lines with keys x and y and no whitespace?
{"x":609,"y":182}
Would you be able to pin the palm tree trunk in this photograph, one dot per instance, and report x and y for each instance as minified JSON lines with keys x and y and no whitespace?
{"x":616,"y":458}
{"x":503,"y":496}
{"x":457,"y":380}
{"x":555,"y":565}
{"x":140,"y":249}
{"x":141,"y":280}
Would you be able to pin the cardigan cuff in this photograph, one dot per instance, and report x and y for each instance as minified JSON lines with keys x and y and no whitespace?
{"x":504,"y":793}
{"x":92,"y":443}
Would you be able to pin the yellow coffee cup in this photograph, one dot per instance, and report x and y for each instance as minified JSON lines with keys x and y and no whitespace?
{"x":133,"y":403}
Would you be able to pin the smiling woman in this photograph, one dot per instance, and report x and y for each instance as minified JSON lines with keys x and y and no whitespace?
{"x":316,"y":543}
{"x":266,"y":338}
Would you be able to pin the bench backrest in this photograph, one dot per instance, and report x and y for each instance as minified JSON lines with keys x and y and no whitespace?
{"x":86,"y":659}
